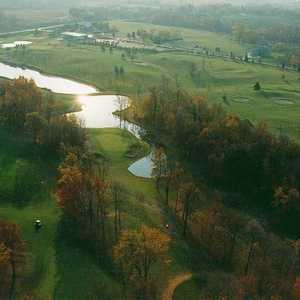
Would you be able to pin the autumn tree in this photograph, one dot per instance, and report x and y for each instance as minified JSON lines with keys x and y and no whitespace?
{"x":177,"y":181}
{"x":119,"y":195}
{"x":20,"y":97}
{"x":122,"y":104}
{"x":100,"y":215}
{"x":160,"y":166}
{"x":84,"y":197}
{"x":296,"y":289}
{"x":70,"y":185}
{"x":189,"y":195}
{"x":218,"y":229}
{"x":35,"y":125}
{"x":66,"y":131}
{"x":137,"y":252}
{"x":256,"y":234}
{"x":12,"y":258}
{"x":286,"y":200}
{"x":23,"y":107}
{"x":5,"y":271}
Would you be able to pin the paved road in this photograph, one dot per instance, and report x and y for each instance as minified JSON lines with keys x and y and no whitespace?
{"x":30,"y":30}
{"x":173,"y":284}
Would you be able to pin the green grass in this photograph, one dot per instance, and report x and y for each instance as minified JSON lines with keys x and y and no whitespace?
{"x":113,"y":144}
{"x":215,"y":78}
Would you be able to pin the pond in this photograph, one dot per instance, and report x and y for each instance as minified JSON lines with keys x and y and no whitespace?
{"x":143,"y":167}
{"x":55,"y":84}
{"x":97,"y":111}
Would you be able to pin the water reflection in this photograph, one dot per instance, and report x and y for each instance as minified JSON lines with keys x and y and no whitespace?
{"x":97,"y":110}
{"x":55,"y":84}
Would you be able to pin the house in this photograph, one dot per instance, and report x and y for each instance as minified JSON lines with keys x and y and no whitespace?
{"x":74,"y":36}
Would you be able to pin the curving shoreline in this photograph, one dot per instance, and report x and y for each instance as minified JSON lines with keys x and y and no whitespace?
{"x":97,"y":109}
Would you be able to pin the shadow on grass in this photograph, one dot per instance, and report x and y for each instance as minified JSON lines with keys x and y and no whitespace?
{"x":25,"y":170}
{"x":79,"y":276}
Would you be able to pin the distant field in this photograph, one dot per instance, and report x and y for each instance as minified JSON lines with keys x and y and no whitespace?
{"x":191,"y":37}
{"x":278,"y":103}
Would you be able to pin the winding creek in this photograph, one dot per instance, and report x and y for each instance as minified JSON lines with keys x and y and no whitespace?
{"x":96,"y":110}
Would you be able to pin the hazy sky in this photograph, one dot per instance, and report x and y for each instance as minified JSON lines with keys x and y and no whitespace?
{"x":47,"y":3}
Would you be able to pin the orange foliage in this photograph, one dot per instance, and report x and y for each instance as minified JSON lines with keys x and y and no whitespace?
{"x":296,"y":289}
{"x":137,"y":252}
{"x":12,"y":257}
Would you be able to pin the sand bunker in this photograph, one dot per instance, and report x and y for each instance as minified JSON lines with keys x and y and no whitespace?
{"x":15,"y":44}
{"x":283,"y":101}
{"x":241,"y":99}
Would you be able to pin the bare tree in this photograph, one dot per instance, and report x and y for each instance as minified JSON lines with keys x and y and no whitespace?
{"x":122,"y":104}
{"x":119,"y":194}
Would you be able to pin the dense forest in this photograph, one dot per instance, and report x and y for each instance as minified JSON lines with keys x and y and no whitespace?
{"x":229,"y":150}
{"x":253,"y":170}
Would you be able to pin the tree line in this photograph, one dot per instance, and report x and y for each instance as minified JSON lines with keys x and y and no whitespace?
{"x":25,"y":110}
{"x":234,"y":155}
{"x":12,"y":259}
